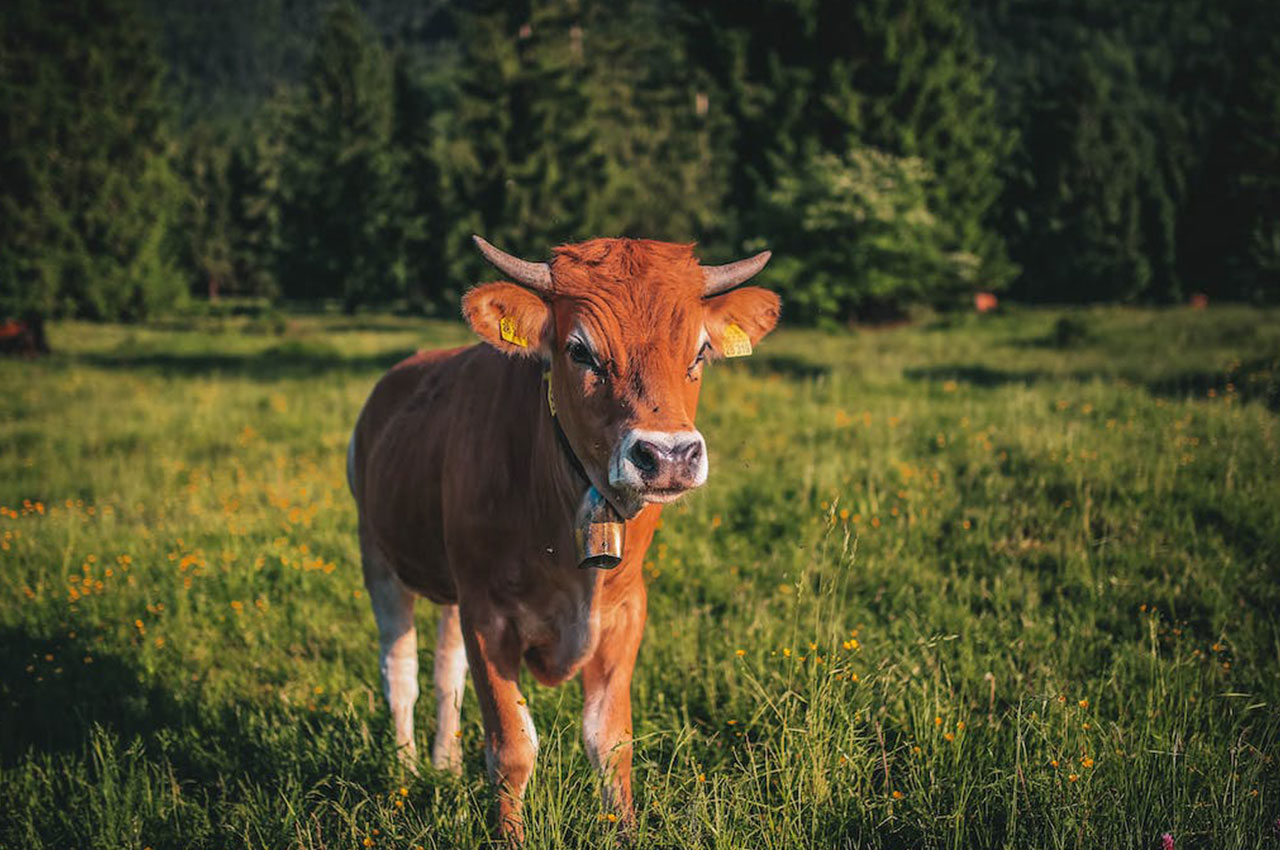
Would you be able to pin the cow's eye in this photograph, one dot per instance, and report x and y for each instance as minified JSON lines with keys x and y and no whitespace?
{"x":696,"y":365}
{"x":580,"y":354}
{"x":702,"y":353}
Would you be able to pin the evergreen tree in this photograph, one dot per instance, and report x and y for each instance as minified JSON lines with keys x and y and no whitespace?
{"x":339,"y":204}
{"x":206,"y":223}
{"x":1257,"y":184}
{"x":810,"y":79}
{"x":1119,"y":108}
{"x":620,"y":127}
{"x":420,"y":109}
{"x":1092,"y":209}
{"x":254,"y":174}
{"x":87,"y":194}
{"x":1229,"y":237}
{"x":584,"y":119}
{"x":914,"y":83}
{"x":473,"y":147}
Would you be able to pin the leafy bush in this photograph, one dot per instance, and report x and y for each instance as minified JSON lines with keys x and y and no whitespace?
{"x":857,"y":238}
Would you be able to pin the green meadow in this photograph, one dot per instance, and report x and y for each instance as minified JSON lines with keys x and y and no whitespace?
{"x":980,"y":581}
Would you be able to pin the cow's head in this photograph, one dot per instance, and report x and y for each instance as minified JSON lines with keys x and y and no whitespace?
{"x":626,"y":326}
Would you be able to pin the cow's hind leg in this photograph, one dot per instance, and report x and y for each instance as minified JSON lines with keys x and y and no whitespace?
{"x":450,"y":678}
{"x":398,"y":642}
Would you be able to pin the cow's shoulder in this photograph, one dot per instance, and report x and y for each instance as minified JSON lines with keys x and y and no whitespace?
{"x":398,"y":386}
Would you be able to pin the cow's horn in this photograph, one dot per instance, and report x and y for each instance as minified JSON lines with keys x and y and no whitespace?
{"x":533,"y":275}
{"x":720,"y":278}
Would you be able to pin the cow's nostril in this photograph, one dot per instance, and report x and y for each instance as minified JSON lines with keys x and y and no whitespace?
{"x":644,"y":456}
{"x":687,"y":453}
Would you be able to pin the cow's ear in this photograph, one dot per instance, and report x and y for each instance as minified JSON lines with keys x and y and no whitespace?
{"x":743,"y":314}
{"x":510,"y":318}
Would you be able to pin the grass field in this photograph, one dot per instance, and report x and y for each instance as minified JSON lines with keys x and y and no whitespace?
{"x":960,"y":584}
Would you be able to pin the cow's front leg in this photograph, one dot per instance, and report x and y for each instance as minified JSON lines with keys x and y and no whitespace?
{"x":510,"y":741}
{"x":606,"y":703}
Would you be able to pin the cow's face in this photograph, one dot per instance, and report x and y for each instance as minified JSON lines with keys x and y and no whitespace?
{"x":626,"y":326}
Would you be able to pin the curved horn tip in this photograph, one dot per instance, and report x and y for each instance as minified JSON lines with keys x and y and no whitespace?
{"x":721,"y":278}
{"x":534,"y":275}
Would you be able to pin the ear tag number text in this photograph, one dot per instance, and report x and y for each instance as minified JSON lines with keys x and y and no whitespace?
{"x":507,"y":327}
{"x":735,"y":342}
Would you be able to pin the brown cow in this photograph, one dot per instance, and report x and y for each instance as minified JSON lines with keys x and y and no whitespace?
{"x":468,"y":467}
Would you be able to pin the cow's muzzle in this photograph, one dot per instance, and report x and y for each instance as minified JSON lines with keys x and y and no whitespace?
{"x":659,"y":466}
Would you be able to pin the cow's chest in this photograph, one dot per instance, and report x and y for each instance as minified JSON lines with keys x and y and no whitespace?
{"x":559,"y":628}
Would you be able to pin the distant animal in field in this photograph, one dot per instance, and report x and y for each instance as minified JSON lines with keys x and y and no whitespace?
{"x":518,"y":483}
{"x":23,"y":337}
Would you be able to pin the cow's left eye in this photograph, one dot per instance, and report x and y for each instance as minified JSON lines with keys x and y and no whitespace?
{"x":699,"y":360}
{"x":580,"y":354}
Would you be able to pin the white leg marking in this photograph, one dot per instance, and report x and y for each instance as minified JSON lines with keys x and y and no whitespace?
{"x":450,"y":675}
{"x":398,"y":640}
{"x":530,"y":731}
{"x":592,"y":729}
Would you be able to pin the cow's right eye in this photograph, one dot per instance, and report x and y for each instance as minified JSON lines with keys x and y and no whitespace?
{"x":582,"y":355}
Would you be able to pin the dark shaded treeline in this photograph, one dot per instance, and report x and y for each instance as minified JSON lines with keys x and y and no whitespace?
{"x":890,"y":152}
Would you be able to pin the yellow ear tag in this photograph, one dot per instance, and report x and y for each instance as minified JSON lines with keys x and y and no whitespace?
{"x":507,"y":327}
{"x":735,"y":342}
{"x":551,"y":398}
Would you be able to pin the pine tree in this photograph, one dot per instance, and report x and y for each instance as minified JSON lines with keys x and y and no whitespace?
{"x":620,"y":126}
{"x":1091,"y":208}
{"x":816,"y":79}
{"x":1229,"y":239}
{"x":1257,"y":184}
{"x":339,"y":206}
{"x":421,"y":96}
{"x":1120,"y":108}
{"x":584,"y":119}
{"x":913,"y":82}
{"x":87,"y":193}
{"x":206,"y":222}
{"x":254,"y":174}
{"x":475,"y":87}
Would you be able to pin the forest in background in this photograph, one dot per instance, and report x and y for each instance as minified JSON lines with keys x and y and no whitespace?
{"x":890,"y":153}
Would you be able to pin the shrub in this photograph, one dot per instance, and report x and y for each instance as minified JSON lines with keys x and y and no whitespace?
{"x":857,"y":238}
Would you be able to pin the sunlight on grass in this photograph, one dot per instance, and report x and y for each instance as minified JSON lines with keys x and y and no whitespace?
{"x":948,"y":586}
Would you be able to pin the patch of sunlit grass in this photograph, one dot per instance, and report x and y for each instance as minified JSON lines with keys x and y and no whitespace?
{"x":945,"y":587}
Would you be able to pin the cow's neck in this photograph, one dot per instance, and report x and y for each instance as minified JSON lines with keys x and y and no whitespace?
{"x":559,"y":465}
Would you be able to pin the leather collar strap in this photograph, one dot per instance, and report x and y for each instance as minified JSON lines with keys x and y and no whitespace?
{"x":560,"y":435}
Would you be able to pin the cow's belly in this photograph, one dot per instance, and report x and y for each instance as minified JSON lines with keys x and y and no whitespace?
{"x":416,"y":554}
{"x":426,"y":574}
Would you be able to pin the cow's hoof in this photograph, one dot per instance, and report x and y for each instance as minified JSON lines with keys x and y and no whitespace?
{"x":408,"y":758}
